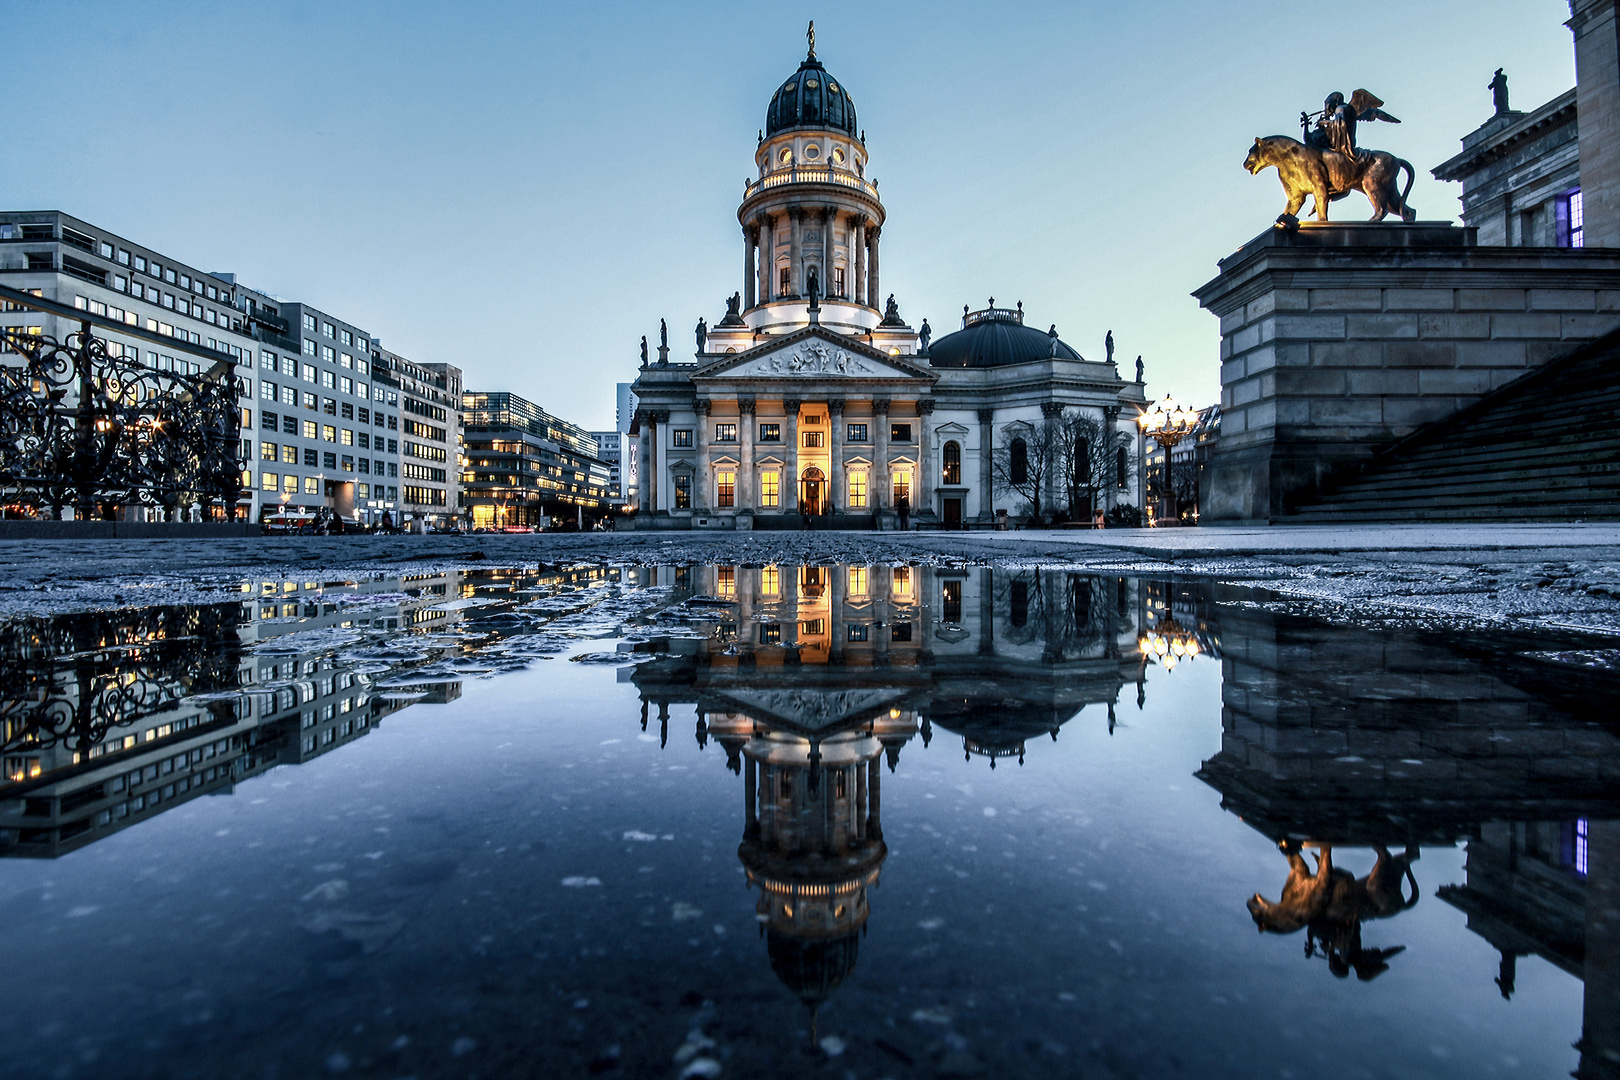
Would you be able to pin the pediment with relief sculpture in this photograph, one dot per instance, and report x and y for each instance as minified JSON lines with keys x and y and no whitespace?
{"x":815,"y":354}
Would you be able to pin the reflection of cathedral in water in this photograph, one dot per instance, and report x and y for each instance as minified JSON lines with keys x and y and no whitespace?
{"x":812,"y":679}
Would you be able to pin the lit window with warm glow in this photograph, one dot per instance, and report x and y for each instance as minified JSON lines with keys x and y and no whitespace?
{"x":725,"y":488}
{"x":770,"y":489}
{"x":726,"y":581}
{"x":770,"y":581}
{"x":902,"y":581}
{"x":857,"y":489}
{"x":857,"y":581}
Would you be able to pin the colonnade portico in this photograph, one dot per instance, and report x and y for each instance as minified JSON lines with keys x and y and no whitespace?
{"x":851,"y":233}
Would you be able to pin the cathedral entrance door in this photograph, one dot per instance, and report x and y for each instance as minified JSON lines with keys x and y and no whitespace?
{"x":813,"y":492}
{"x":953,"y":513}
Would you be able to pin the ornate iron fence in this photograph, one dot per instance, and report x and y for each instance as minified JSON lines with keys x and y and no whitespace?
{"x":85,"y":426}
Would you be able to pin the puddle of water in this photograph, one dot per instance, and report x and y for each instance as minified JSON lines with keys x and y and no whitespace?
{"x":733,"y":821}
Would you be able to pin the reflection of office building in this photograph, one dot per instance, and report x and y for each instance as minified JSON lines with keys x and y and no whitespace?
{"x":814,"y":677}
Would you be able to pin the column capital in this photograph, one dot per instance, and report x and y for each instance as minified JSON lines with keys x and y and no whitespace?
{"x":859,"y":220}
{"x":790,"y":406}
{"x":1051,"y":408}
{"x":745,"y":406}
{"x":873,"y":231}
{"x":986,"y":415}
{"x":835,"y":406}
{"x":925,"y":406}
{"x":659,"y":416}
{"x":880,"y":406}
{"x":829,"y":213}
{"x":796,"y":212}
{"x":704,"y":406}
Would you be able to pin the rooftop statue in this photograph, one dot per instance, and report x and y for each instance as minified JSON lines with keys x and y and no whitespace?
{"x":1499,"y":94}
{"x":1329,"y":164}
{"x":702,"y":334}
{"x":663,"y":334}
{"x":924,"y":335}
{"x":643,"y":350}
{"x":1139,"y":375}
{"x":1052,"y":341}
{"x":1108,"y":346}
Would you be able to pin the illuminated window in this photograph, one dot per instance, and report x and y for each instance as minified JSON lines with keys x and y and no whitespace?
{"x":289,"y":484}
{"x":785,"y":285}
{"x":857,"y":631}
{"x":725,"y":433}
{"x":683,"y":493}
{"x":770,"y":489}
{"x":312,"y":485}
{"x":267,"y":451}
{"x":310,"y":430}
{"x":902,"y":485}
{"x":289,"y":454}
{"x":725,"y":488}
{"x":857,"y":581}
{"x":681,"y":437}
{"x":1571,"y":220}
{"x":348,"y":437}
{"x":770,"y":433}
{"x":857,"y":490}
{"x":269,"y":481}
{"x":770,"y":581}
{"x":329,"y":432}
{"x":902,"y":581}
{"x":726,"y":581}
{"x":815,"y":439}
{"x":951,"y":469}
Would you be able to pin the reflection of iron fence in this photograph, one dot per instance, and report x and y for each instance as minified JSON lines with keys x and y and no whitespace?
{"x":85,"y":426}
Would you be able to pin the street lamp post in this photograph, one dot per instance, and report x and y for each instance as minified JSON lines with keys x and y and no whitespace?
{"x":1167,"y":422}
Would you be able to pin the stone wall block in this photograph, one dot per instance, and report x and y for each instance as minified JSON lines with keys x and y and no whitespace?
{"x":1261,"y":307}
{"x":1508,"y":354}
{"x":1522,"y":325}
{"x":1246,"y":392}
{"x":1346,"y":411}
{"x":1358,"y":327}
{"x":1347,"y":300}
{"x":1263,"y":415}
{"x":1289,"y":411}
{"x":1292,"y":299}
{"x":1539,"y":352}
{"x":1309,"y":382}
{"x":1310,"y":327}
{"x":1232,"y":320}
{"x":1294,"y":355}
{"x":1403,"y":414}
{"x":1420,"y":299}
{"x":1466,"y":381}
{"x":1608,"y":300}
{"x":1421,"y":354}
{"x":1454,"y":326}
{"x":1563,"y":299}
{"x":1226,"y":348}
{"x":1385,"y":381}
{"x":1232,"y":371}
{"x":1248,"y":337}
{"x":1347,"y":354}
{"x":1588,"y":327}
{"x":1262,"y":359}
{"x":1484,"y":300}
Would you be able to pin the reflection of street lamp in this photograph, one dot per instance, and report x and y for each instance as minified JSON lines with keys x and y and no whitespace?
{"x":1168,"y":644}
{"x":1167,"y":423}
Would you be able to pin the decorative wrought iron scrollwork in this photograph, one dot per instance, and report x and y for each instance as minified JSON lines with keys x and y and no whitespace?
{"x":84,"y":425}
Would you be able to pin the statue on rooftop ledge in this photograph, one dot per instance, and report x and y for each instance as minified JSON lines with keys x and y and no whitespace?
{"x":702,"y":334}
{"x":1108,"y":345}
{"x":923,"y":337}
{"x":1328,"y":164}
{"x":643,"y":350}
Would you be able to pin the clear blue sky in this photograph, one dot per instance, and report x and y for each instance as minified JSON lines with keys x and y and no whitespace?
{"x":523,"y":189}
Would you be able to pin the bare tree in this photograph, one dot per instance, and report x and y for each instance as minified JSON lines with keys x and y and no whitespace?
{"x":1088,"y":460}
{"x":1025,"y":461}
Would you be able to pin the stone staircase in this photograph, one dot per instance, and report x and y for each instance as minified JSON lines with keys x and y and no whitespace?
{"x":1545,"y":447}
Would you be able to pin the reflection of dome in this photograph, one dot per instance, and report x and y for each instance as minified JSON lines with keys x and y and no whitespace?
{"x":812,"y":968}
{"x":810,"y":98}
{"x":995,"y":337}
{"x":998,"y":727}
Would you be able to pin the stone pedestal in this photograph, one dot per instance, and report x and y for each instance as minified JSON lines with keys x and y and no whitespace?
{"x":1340,"y":339}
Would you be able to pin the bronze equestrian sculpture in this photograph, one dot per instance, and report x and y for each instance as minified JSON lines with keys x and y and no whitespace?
{"x":1329,"y":164}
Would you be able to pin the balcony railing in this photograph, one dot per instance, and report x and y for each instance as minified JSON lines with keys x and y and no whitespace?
{"x":822,"y":175}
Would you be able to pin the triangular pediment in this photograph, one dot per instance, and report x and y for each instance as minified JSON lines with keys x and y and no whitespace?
{"x":811,"y":354}
{"x":813,"y":710}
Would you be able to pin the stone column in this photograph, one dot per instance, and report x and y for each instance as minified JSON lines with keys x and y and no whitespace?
{"x":987,"y":612}
{"x":829,"y":225}
{"x":872,"y":288}
{"x":795,"y":251}
{"x":1110,"y":484}
{"x":922,"y":487}
{"x":882,"y":584}
{"x":835,"y":472}
{"x":987,"y":490}
{"x":653,"y":462}
{"x":750,"y":233}
{"x":1597,"y":98}
{"x":700,"y":499}
{"x":745,"y":455}
{"x":1051,"y":410}
{"x":790,"y":479}
{"x":837,"y":579}
{"x":767,"y":257}
{"x":879,"y":487}
{"x":857,"y":258}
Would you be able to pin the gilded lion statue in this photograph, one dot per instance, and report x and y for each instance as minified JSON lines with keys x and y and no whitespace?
{"x":1328,"y":175}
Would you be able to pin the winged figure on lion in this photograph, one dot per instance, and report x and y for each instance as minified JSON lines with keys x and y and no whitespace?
{"x":1328,"y":164}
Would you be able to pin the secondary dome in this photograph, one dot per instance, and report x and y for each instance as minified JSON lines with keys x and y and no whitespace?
{"x":811,"y":98}
{"x":996,"y":337}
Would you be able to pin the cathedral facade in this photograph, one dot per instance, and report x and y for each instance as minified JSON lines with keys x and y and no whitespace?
{"x":813,"y":398}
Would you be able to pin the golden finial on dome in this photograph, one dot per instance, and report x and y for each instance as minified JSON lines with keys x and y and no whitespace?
{"x":812,"y":36}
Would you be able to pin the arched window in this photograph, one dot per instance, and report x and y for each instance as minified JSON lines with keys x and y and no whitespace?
{"x":1122,"y":466}
{"x":1020,"y":603}
{"x":1019,"y":465}
{"x":1082,"y":462}
{"x":952,"y":468}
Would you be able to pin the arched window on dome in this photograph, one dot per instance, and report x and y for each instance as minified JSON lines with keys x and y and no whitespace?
{"x":1018,"y":467}
{"x":951,"y":469}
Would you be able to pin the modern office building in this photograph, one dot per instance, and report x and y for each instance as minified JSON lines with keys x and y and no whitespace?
{"x":317,"y":431}
{"x":430,"y":423}
{"x":525,"y":467}
{"x":610,"y":448}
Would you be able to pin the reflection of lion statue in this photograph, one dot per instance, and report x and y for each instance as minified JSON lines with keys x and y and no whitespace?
{"x":1326,"y":175}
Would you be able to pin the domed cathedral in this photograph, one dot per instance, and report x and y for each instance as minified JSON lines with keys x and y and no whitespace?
{"x":812,"y":397}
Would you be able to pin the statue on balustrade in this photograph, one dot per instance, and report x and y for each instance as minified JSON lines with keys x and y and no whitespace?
{"x":702,"y":334}
{"x":1329,"y":164}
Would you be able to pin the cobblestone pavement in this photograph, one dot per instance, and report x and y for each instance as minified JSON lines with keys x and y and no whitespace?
{"x":1563,"y":575}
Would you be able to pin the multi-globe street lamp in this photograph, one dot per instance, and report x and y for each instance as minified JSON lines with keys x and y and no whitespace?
{"x":1167,"y":423}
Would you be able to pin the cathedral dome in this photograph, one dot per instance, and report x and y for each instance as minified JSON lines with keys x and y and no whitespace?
{"x":811,"y":99}
{"x":995,"y":337}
